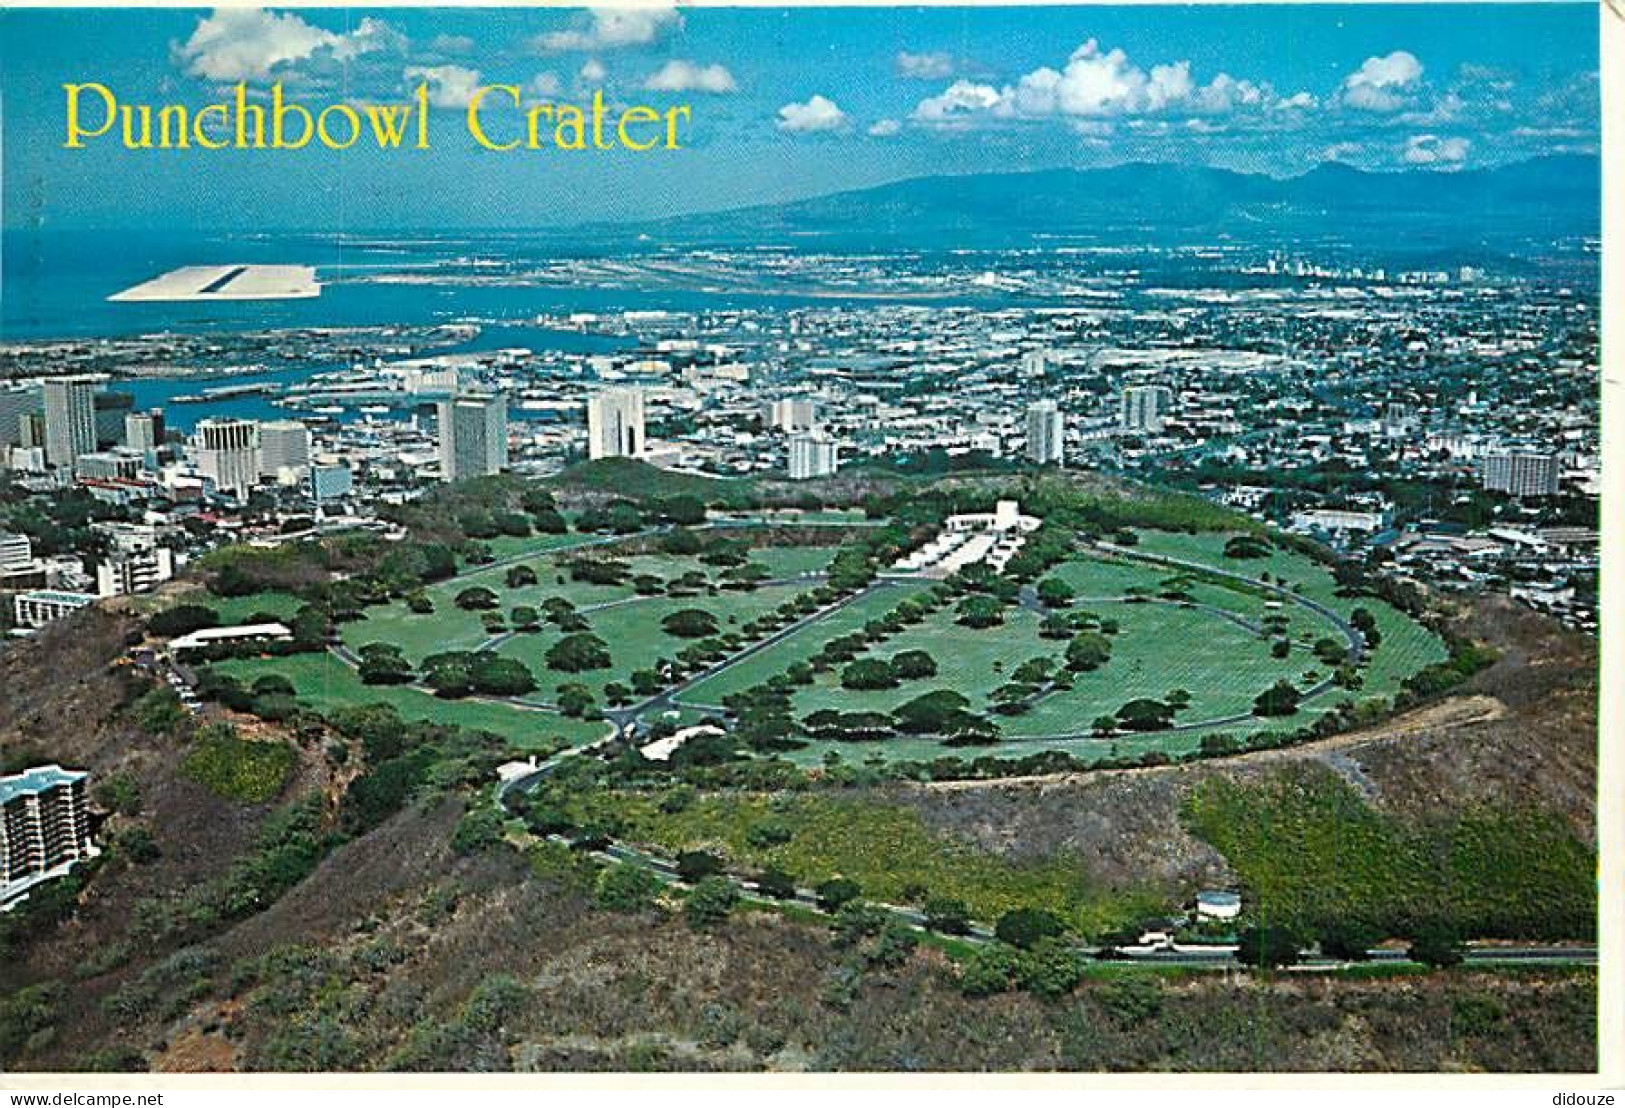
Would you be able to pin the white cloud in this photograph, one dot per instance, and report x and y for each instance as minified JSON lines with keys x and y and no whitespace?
{"x":1433,"y":150}
{"x":246,"y":44}
{"x":925,"y":67}
{"x":683,"y":76}
{"x":1341,"y":152}
{"x":610,"y":29}
{"x":450,"y":86}
{"x":958,"y":101}
{"x":817,"y":113}
{"x":1100,"y":84}
{"x":544,"y":85}
{"x":1383,"y":84}
{"x":884,"y":128}
{"x":593,"y":72}
{"x":451,"y":44}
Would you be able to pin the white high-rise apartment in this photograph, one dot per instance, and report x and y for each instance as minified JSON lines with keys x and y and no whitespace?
{"x":1522,"y":473}
{"x":812,"y":454}
{"x":284,"y":451}
{"x":1046,"y":433}
{"x":615,"y":424}
{"x":792,"y":415}
{"x":473,"y":436}
{"x":16,"y":401}
{"x":228,"y":454}
{"x":70,"y":418}
{"x":44,"y":828}
{"x":144,"y":431}
{"x":1144,"y":406}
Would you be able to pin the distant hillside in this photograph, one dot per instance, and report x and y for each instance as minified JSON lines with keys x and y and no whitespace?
{"x":1560,"y":194}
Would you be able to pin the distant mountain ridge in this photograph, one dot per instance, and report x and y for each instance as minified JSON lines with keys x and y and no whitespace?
{"x":1555,"y":194}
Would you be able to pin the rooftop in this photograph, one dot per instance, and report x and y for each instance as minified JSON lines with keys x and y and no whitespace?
{"x":36,"y":780}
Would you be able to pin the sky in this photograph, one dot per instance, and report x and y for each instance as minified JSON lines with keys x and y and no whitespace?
{"x":786,"y":103}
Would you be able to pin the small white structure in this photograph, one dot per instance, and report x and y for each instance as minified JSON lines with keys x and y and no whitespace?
{"x":661,"y":750}
{"x":992,"y":537}
{"x":252,"y":632}
{"x":1216,"y":904}
{"x":513,"y":771}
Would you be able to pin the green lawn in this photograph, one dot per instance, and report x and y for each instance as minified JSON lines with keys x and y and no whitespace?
{"x":324,"y":683}
{"x":632,"y":630}
{"x":798,"y":647}
{"x":1406,"y":645}
{"x":237,"y":609}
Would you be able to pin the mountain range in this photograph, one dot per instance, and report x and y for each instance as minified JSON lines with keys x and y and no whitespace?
{"x":1555,"y":196}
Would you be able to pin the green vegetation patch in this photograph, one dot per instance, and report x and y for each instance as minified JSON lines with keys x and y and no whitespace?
{"x":249,"y":770}
{"x":886,"y":849}
{"x":1312,"y":853}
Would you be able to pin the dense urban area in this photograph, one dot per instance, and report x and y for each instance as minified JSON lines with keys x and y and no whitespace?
{"x":1051,"y":658}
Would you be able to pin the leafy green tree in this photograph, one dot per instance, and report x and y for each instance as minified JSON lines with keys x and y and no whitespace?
{"x":1051,"y":969}
{"x":1267,"y":947}
{"x":578,"y":652}
{"x":987,"y":970}
{"x":913,"y":665}
{"x":476,"y":598}
{"x":1145,"y":714}
{"x":980,"y":611}
{"x":626,"y":887}
{"x":1053,"y":592}
{"x":1437,"y":946}
{"x":575,"y":700}
{"x":1024,"y":927}
{"x":384,"y":664}
{"x":710,"y":902}
{"x":182,"y":619}
{"x":1088,"y":650}
{"x":1348,"y":940}
{"x":836,"y":893}
{"x":519,"y":577}
{"x":947,"y":915}
{"x":479,"y":830}
{"x":776,"y":884}
{"x":690,"y":623}
{"x":894,"y":945}
{"x":869,"y":673}
{"x":1280,"y":699}
{"x":696,"y":865}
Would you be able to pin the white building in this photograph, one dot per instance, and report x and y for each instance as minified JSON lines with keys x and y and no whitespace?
{"x":125,"y":573}
{"x":992,"y":537}
{"x":36,"y":609}
{"x":1143,"y":408}
{"x":473,"y":436}
{"x":70,"y":418}
{"x":1046,"y":433}
{"x":791,"y":415}
{"x":44,"y":829}
{"x":228,"y":454}
{"x":1521,"y":473}
{"x":144,"y":431}
{"x":284,"y":451}
{"x":209,"y":636}
{"x":615,"y":424}
{"x":330,"y":482}
{"x":108,"y":465}
{"x":16,"y":401}
{"x":812,"y":455}
{"x":16,"y":552}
